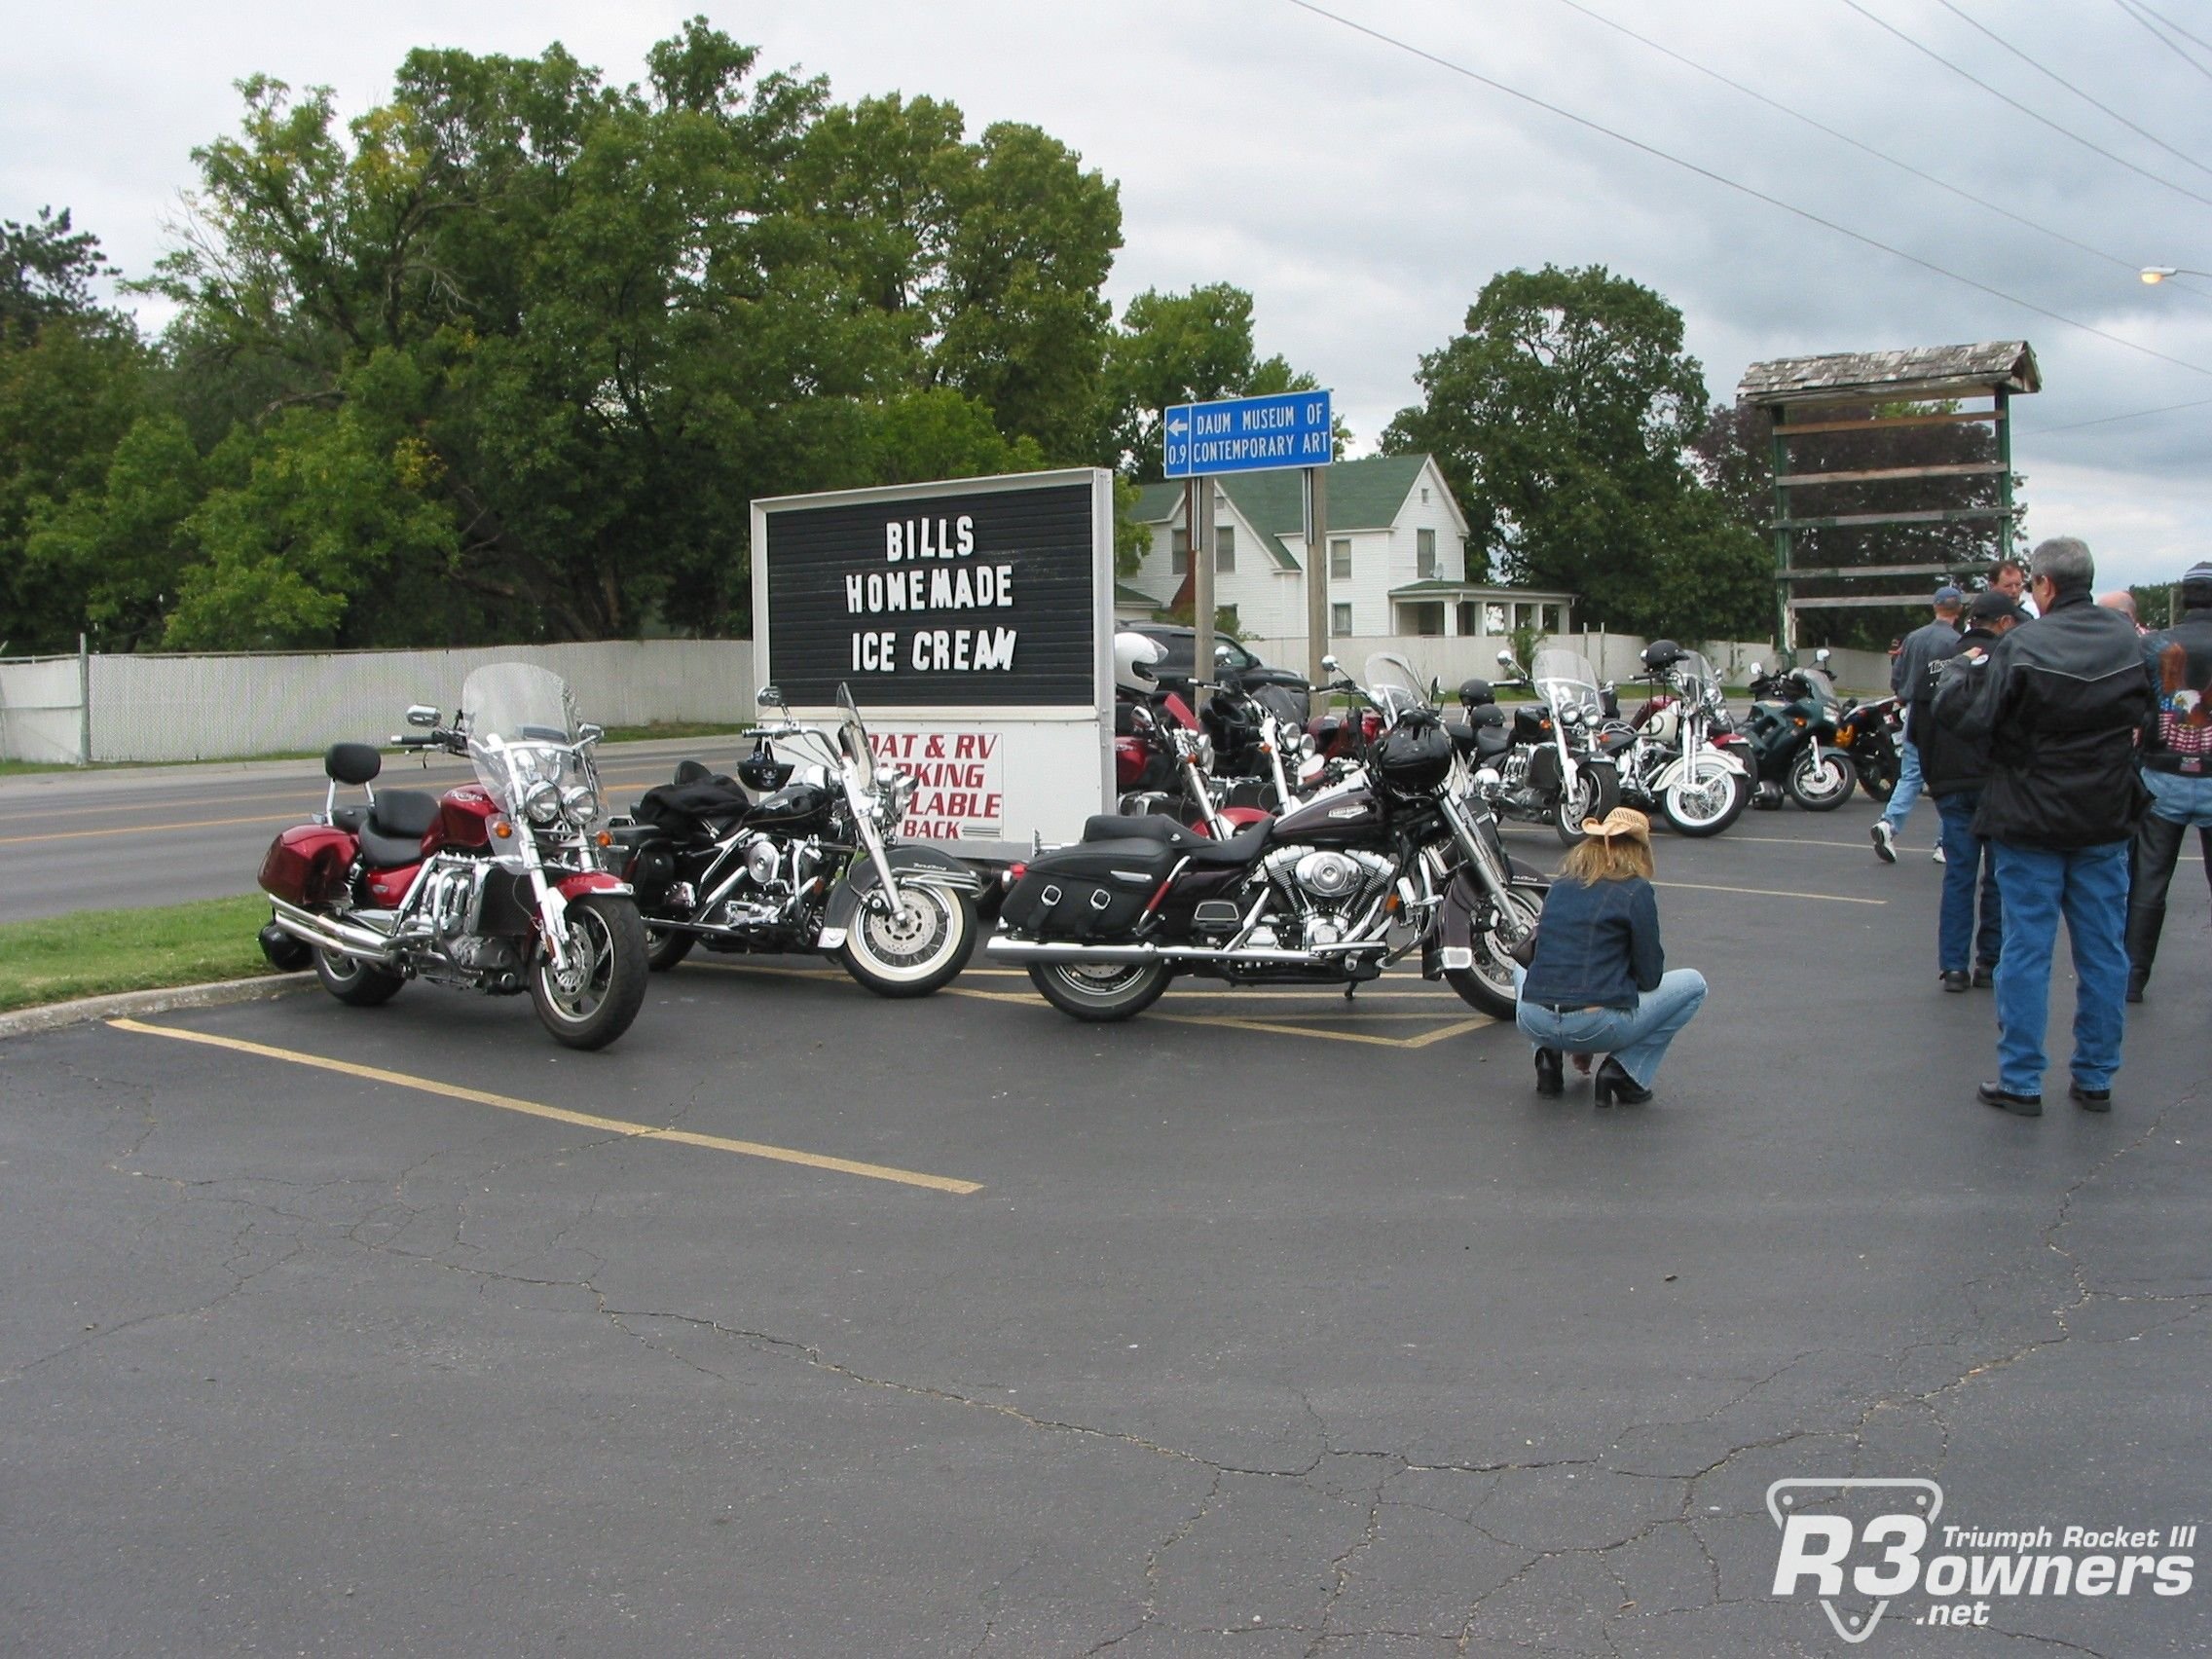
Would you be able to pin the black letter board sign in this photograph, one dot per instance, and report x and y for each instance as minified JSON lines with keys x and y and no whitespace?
{"x":972,"y":620}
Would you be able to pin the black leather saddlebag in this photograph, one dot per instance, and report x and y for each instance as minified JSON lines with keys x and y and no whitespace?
{"x":1095,"y":890}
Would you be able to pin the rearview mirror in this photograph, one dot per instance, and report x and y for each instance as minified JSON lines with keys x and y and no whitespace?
{"x":422,"y":715}
{"x":1331,"y":664}
{"x":769,"y":698}
{"x":1755,"y":672}
{"x":1505,"y":658}
{"x":1821,"y":656}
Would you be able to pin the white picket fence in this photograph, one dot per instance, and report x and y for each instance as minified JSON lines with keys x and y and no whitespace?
{"x":192,"y":708}
{"x":1615,"y":657}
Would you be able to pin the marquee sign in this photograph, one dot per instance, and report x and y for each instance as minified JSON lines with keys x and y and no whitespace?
{"x":972,"y":621}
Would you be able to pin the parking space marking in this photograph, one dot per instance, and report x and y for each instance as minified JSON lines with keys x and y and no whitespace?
{"x":1771,"y":893}
{"x":558,"y":1114}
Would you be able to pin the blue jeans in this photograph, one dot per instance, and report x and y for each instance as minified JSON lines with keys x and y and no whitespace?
{"x":1964,"y":856}
{"x":1908,"y":786}
{"x":2090,"y":888}
{"x":1636,"y":1036}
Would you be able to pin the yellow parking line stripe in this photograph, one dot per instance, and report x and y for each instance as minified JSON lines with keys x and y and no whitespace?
{"x":559,"y":1115}
{"x":1770,"y":892}
{"x":1316,"y":994}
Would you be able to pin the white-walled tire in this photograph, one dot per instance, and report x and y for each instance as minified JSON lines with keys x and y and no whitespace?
{"x":912,"y":953}
{"x":1708,"y":798}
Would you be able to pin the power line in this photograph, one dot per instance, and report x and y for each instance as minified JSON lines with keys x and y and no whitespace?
{"x":2130,"y":265}
{"x":2012,"y":104}
{"x":2107,"y":420}
{"x":2159,"y":36}
{"x":2053,"y":74}
{"x":1726,"y":182}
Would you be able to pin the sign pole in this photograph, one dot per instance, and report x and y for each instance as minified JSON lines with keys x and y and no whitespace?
{"x":1316,"y":570}
{"x":1201,"y":595}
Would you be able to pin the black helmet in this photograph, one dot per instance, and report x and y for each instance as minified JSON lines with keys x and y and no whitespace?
{"x":761,"y":772}
{"x":1662,"y":655}
{"x":1476,"y":692}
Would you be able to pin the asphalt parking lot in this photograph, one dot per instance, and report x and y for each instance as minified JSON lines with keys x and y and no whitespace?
{"x":1263,"y":1325}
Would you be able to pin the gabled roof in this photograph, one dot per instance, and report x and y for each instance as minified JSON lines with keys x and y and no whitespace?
{"x":1125,"y":594}
{"x":1924,"y":371}
{"x":1363,"y":495}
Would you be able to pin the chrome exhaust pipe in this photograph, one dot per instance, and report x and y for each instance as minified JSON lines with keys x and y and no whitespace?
{"x":1004,"y":948}
{"x":327,"y":933}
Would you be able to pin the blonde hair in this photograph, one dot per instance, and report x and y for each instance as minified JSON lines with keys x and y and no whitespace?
{"x":1595,"y":859}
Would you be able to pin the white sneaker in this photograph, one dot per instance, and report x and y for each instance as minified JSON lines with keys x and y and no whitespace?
{"x":1937,"y":855}
{"x":1885,"y":847}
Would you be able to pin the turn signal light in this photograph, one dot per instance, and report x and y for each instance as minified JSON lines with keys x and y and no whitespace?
{"x":604,"y":838}
{"x":503,"y":829}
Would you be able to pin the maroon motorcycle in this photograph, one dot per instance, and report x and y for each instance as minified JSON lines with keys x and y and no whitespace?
{"x":495,"y":886}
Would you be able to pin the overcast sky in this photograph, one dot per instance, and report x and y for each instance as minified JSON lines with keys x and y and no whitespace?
{"x":1363,"y":193}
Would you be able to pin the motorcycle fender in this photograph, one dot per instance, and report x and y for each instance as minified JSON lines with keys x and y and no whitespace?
{"x":577,"y":883}
{"x":925,"y":867}
{"x":1671,"y":774}
{"x":1461,"y":901}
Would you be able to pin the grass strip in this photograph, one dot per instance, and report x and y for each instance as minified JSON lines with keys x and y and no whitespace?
{"x":90,"y":953}
{"x":656,"y":732}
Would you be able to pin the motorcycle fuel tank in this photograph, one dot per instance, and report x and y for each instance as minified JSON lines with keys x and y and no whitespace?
{"x":789,"y":807}
{"x":465,"y":817}
{"x":1347,"y":814}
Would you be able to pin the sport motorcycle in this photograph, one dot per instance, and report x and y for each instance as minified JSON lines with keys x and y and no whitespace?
{"x":813,"y":865}
{"x":1793,"y":728}
{"x":1869,"y":732}
{"x":494,"y":886}
{"x":1396,"y":858}
{"x":1557,"y":772}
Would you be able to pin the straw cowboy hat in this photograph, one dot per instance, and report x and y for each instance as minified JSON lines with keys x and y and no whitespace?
{"x":1621,"y":821}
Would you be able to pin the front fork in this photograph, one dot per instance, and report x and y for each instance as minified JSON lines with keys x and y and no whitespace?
{"x":1492,"y":879}
{"x":552,"y":908}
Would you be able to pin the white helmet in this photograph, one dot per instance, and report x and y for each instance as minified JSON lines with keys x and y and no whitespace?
{"x":1136,"y":662}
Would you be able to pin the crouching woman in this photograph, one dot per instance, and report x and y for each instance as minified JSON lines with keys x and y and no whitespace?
{"x":1599,"y":981}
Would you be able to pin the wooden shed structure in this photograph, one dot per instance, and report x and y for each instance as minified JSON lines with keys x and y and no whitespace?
{"x":1861,"y":392}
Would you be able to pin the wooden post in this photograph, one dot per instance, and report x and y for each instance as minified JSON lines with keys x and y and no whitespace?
{"x":2004,"y":425}
{"x":1785,"y":619}
{"x":1316,"y":570}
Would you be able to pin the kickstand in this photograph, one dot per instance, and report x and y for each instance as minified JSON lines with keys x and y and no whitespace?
{"x":1351,"y":985}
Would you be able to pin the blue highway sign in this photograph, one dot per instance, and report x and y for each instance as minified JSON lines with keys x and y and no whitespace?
{"x":1247,"y":435}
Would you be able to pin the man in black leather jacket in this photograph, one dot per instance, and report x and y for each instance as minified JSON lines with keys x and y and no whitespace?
{"x":2177,"y":769}
{"x":2062,"y":701}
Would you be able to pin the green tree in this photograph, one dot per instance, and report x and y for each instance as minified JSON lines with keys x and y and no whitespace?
{"x":1188,"y":347}
{"x":1561,"y":418}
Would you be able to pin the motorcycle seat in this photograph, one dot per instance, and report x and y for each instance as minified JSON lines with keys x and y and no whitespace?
{"x":396,"y":823}
{"x":636,"y":835}
{"x":1149,"y":826}
{"x":350,"y":818}
{"x":1239,"y":849}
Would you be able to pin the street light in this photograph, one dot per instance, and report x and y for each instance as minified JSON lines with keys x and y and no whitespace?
{"x":2156,"y":273}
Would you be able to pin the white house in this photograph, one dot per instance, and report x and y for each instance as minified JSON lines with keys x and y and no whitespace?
{"x":1397,"y":556}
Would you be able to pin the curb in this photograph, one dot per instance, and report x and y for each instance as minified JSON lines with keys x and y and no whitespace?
{"x":25,"y":1021}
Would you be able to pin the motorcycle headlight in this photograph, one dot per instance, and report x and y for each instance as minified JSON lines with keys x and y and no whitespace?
{"x":581,"y":802}
{"x":1202,"y":749}
{"x":1570,"y":717}
{"x":898,"y":793}
{"x":542,"y":804}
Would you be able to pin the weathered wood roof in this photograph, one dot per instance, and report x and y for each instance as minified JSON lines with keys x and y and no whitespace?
{"x":1923,"y":372}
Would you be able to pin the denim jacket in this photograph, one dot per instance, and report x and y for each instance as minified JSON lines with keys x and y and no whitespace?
{"x":1598,"y":946}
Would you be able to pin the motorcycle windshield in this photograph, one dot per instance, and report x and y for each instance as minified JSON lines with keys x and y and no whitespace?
{"x":1393,"y":686}
{"x":1565,"y":680}
{"x":852,"y":735}
{"x":1817,"y":680}
{"x":521,"y":725}
{"x":1696,"y":676}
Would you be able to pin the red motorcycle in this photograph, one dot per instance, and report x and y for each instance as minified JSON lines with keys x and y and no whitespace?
{"x":495,"y":886}
{"x":1164,"y":767}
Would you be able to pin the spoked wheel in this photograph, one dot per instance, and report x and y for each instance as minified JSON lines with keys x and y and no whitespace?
{"x":1487,"y":986}
{"x":1824,"y":787}
{"x":913,"y":953}
{"x":1707,"y":799}
{"x":1100,"y":992}
{"x":358,"y":983}
{"x":1595,"y":793}
{"x":593,"y":1000}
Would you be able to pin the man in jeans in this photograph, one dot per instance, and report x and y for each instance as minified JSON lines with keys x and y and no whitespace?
{"x":2177,"y":771}
{"x":1908,"y":679}
{"x":2060,"y":701}
{"x":1954,"y":768}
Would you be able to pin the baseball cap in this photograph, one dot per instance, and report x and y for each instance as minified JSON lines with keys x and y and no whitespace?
{"x":1993,"y":605}
{"x":2198,"y":576}
{"x":1948,"y":595}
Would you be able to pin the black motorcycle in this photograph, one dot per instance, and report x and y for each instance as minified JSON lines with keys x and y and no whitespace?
{"x":813,"y":865}
{"x":1558,"y":771}
{"x":1397,"y":856}
{"x":1794,"y":724}
{"x":1869,"y":732}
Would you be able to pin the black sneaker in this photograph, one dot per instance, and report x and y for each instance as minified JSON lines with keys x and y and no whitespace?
{"x":1885,"y":847}
{"x":1955,"y":980}
{"x":2019,"y":1105}
{"x":2089,"y":1099}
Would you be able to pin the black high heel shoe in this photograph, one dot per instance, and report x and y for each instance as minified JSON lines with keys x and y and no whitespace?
{"x":1548,"y":1078}
{"x":1615,"y":1087}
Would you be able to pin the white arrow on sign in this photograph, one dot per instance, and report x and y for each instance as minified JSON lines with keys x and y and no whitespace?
{"x":1178,"y":426}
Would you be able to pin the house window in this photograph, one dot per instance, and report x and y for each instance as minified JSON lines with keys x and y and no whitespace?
{"x":1224,"y":549}
{"x":1424,"y":554}
{"x":1340,"y":620}
{"x":1425,"y":495}
{"x":1179,"y":550}
{"x":1495,"y":619}
{"x":1340,"y":560}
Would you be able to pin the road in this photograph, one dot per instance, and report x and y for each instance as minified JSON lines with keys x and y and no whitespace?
{"x":118,"y":839}
{"x":1265,"y":1325}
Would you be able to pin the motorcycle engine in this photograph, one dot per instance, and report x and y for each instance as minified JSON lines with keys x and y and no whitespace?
{"x":452,"y":896}
{"x":1326,"y":888}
